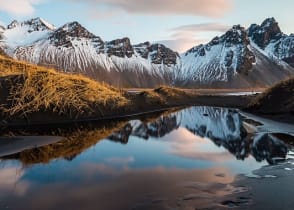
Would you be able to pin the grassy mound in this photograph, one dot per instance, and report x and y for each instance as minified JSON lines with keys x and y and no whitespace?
{"x":33,"y":94}
{"x":32,"y":88}
{"x":277,"y":99}
{"x":165,"y":95}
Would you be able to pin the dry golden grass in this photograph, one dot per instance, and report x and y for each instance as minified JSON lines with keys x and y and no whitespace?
{"x":172,"y":92}
{"x":278,"y":98}
{"x":165,"y":95}
{"x":152,"y":97}
{"x":37,"y":88}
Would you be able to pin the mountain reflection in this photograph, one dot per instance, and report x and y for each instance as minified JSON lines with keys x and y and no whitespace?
{"x":224,"y":127}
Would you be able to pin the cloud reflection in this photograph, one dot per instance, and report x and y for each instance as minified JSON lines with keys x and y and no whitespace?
{"x":146,"y":188}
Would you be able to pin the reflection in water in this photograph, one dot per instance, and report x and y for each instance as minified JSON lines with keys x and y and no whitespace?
{"x":222,"y":126}
{"x":180,"y":160}
{"x":73,"y":143}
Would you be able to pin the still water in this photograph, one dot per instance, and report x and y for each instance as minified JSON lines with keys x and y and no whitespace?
{"x":186,"y":159}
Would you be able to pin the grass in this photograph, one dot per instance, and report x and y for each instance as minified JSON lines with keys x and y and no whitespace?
{"x":35,"y":88}
{"x":30,"y":92}
{"x":165,"y":96}
{"x":277,"y":99}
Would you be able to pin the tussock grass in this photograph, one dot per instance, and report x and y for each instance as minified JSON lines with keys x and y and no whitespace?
{"x":171,"y":92}
{"x":165,"y":95}
{"x":152,"y":98}
{"x":35,"y":88}
{"x":276,"y":99}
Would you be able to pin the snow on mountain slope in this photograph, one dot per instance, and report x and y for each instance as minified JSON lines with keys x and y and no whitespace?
{"x":231,"y":60}
{"x":269,"y":37}
{"x":220,"y":59}
{"x":25,"y":33}
{"x":72,"y":48}
{"x":282,"y":49}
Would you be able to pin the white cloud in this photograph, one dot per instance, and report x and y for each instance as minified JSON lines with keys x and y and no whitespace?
{"x":19,"y":7}
{"x":202,"y":27}
{"x":184,"y":37}
{"x":182,"y":44}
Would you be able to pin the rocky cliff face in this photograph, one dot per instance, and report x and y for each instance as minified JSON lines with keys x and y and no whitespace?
{"x":265,"y":33}
{"x":269,"y":37}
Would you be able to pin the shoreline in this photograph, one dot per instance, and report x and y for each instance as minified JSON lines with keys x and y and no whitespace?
{"x":49,"y":118}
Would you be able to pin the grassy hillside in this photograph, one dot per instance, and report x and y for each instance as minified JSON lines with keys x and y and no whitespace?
{"x":28,"y":88}
{"x":37,"y":94}
{"x":277,"y":99}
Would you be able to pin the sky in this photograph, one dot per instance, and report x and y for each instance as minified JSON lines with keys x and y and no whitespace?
{"x":180,"y":24}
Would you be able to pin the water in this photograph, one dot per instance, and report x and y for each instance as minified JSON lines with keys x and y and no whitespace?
{"x":186,"y":159}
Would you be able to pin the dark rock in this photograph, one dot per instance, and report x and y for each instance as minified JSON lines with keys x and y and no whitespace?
{"x":120,"y":48}
{"x":268,"y":31}
{"x":158,"y":53}
{"x":70,"y":31}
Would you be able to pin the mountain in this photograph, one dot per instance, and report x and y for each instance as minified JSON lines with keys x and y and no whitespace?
{"x":269,"y":37}
{"x":236,"y":59}
{"x":72,"y":48}
{"x":241,"y":58}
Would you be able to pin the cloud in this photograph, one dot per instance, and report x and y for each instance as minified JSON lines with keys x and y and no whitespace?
{"x":184,"y":37}
{"x":10,"y":178}
{"x":120,"y":160}
{"x":19,"y":7}
{"x":182,"y":44}
{"x":207,"y":8}
{"x":201,"y":27}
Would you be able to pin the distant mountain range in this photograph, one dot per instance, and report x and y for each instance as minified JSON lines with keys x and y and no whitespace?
{"x":255,"y":57}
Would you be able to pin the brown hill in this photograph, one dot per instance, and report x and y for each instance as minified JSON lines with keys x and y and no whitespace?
{"x":275,"y":100}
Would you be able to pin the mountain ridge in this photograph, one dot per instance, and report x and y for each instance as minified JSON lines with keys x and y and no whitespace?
{"x":239,"y":58}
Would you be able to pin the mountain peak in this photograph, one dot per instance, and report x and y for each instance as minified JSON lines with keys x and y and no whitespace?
{"x":74,"y":29}
{"x":236,"y":35}
{"x":35,"y":24}
{"x":13,"y":24}
{"x":64,"y":35}
{"x":120,"y":48}
{"x":268,"y":22}
{"x":263,"y":34}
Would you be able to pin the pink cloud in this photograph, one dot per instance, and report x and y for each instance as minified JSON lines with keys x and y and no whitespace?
{"x":207,"y":8}
{"x":185,"y":37}
{"x":181,"y":44}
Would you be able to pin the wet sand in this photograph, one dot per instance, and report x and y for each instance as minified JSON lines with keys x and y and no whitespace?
{"x":272,"y":188}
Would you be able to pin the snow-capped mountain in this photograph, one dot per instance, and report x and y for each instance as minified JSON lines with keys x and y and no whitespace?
{"x":72,"y":48}
{"x":258,"y":56}
{"x":236,"y":59}
{"x":269,"y":37}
